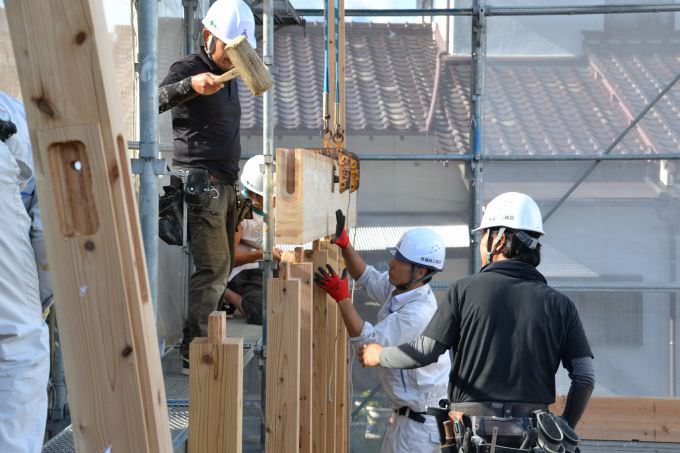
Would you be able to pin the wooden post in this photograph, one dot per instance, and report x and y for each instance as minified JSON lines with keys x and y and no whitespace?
{"x":216,"y":390}
{"x":283,"y":366}
{"x":107,"y":327}
{"x":342,"y":416}
{"x":331,"y":360}
{"x":319,"y":350}
{"x":303,"y":272}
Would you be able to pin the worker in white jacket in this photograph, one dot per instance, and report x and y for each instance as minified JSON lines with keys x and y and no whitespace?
{"x":408,"y":304}
{"x":24,"y":347}
{"x":12,"y":109}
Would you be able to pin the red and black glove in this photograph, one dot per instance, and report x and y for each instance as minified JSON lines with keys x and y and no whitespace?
{"x":337,"y":287}
{"x":341,"y":238}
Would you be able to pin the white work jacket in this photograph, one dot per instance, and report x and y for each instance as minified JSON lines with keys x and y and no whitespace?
{"x":24,"y":346}
{"x":401,"y":319}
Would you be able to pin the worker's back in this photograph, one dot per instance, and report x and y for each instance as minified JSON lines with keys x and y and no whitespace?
{"x":513,"y":332}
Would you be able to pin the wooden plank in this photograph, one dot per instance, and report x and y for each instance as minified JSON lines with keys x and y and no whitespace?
{"x":117,"y":398}
{"x":307,"y":197}
{"x":331,"y":378}
{"x":628,"y":419}
{"x":283,"y":366}
{"x":341,"y":392}
{"x":319,"y":350}
{"x":303,"y":272}
{"x":216,"y":390}
{"x":217,"y":327}
{"x":342,"y":416}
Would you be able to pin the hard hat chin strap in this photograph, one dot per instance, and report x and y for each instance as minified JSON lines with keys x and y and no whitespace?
{"x":490,"y":251}
{"x":414,"y":280}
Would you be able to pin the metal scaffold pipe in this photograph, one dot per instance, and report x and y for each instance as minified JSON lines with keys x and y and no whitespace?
{"x":476,"y":132}
{"x":491,"y":11}
{"x":268,"y":152}
{"x":148,"y":145}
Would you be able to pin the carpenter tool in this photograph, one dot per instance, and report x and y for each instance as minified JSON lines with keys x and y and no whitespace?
{"x":247,"y":65}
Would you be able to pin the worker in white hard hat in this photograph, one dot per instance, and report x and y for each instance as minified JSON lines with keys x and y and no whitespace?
{"x":408,"y":304}
{"x":244,"y":290}
{"x":508,"y":331}
{"x":206,"y":118}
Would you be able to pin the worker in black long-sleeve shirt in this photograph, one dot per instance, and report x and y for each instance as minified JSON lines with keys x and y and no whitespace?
{"x":507,"y":328}
{"x":206,"y":119}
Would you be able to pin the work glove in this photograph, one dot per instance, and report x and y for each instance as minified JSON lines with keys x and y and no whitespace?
{"x":337,"y":287}
{"x":341,"y":238}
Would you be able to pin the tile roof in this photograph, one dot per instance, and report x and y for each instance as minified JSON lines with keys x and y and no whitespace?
{"x":532,"y":106}
{"x":389,"y":78}
{"x":636,"y":70}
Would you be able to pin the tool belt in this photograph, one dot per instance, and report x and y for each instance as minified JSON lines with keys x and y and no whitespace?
{"x":503,"y":427}
{"x":498,"y":409}
{"x":408,"y":412}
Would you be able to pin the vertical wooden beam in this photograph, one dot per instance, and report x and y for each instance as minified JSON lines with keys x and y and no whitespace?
{"x":331,"y":377}
{"x":283,"y":366}
{"x":341,"y":406}
{"x":117,"y":397}
{"x":216,"y":390}
{"x":303,"y":272}
{"x":342,"y":391}
{"x":319,"y":258}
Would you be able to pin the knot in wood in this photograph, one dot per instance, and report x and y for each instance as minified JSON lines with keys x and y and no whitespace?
{"x":207,"y":358}
{"x":80,"y":38}
{"x":127,"y":350}
{"x":89,"y":246}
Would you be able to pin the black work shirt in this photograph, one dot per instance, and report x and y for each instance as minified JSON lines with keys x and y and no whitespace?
{"x":509,"y":331}
{"x":206,"y":129}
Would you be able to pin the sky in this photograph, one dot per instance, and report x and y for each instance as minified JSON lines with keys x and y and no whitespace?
{"x":118,"y":11}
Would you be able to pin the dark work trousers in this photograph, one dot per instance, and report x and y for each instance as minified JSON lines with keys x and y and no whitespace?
{"x":248,"y":285}
{"x":212,"y":224}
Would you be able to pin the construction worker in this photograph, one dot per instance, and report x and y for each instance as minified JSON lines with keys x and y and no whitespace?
{"x":24,"y":345}
{"x":206,"y":119}
{"x":12,"y":109}
{"x":408,"y":304}
{"x":244,"y":290}
{"x":507,"y":328}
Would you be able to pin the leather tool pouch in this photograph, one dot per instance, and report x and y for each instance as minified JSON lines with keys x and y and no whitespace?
{"x":170,"y":214}
{"x":198,"y":188}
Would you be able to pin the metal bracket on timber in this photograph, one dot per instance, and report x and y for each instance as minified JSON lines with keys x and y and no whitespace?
{"x":216,"y":390}
{"x":308,"y":196}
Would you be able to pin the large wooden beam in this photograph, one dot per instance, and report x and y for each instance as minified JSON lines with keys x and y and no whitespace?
{"x":331,"y":361}
{"x":216,"y":390}
{"x":107,"y":328}
{"x":283,"y":366}
{"x":307,"y":197}
{"x":628,"y":419}
{"x":319,"y":258}
{"x":303,"y":272}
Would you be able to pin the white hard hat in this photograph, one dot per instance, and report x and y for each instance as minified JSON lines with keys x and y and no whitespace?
{"x":423,"y":247}
{"x":252,"y":175}
{"x":229,"y":19}
{"x":512,"y":210}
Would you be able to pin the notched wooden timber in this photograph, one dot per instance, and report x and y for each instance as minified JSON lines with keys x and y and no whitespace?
{"x":72,"y":177}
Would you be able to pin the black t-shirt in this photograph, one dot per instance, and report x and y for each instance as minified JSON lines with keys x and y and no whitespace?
{"x":206,"y":129}
{"x":509,"y":331}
